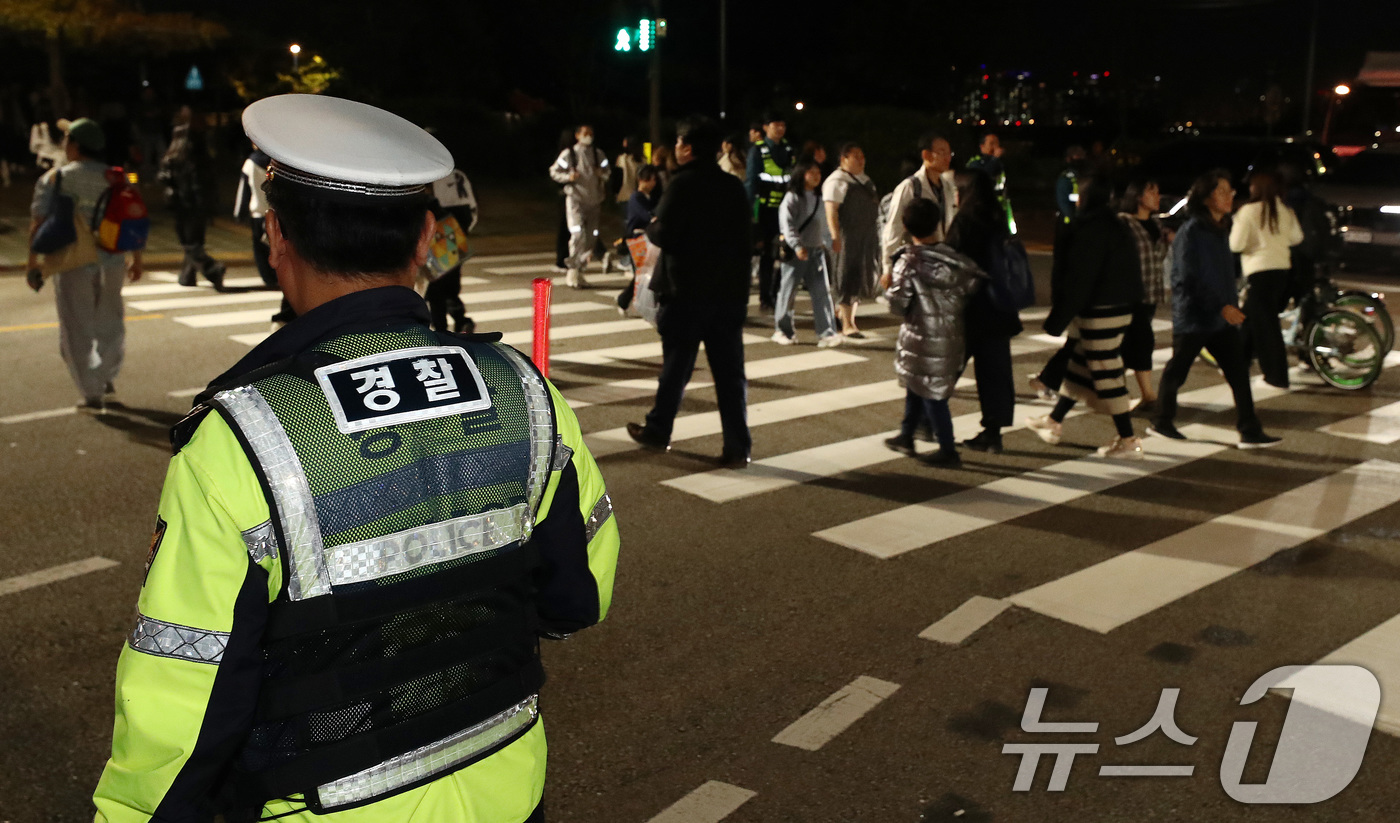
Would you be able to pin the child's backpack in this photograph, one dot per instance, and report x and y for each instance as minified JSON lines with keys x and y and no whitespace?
{"x":449,"y":247}
{"x":120,"y":221}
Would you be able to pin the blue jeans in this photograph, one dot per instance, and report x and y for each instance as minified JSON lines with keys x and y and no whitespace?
{"x":811,"y":272}
{"x":917,"y":409}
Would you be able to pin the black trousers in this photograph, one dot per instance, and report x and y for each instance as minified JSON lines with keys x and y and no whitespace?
{"x":261,"y":251}
{"x":1225,"y":345}
{"x":1267,"y":297}
{"x":767,"y":230}
{"x":442,"y":299}
{"x":683,"y":327}
{"x":991,"y":366}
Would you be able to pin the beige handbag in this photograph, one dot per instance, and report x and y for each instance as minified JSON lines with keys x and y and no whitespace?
{"x":81,"y":252}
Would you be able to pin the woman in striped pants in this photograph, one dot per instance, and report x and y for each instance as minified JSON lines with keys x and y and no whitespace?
{"x":1096,"y":281}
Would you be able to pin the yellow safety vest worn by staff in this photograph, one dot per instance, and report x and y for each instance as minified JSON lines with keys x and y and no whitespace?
{"x":361,"y":535}
{"x":773,"y":180}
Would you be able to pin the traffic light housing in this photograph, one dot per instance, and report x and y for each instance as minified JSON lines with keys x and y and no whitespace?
{"x":641,"y":38}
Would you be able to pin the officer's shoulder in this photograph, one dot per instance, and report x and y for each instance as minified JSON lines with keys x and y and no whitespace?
{"x":183,"y":431}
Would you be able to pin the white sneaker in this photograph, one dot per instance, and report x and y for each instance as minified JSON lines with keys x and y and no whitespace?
{"x":1042,"y":391}
{"x":831,"y":341}
{"x":574,"y":279}
{"x":1122,"y":448}
{"x":1048,"y":429}
{"x":607,"y":262}
{"x":782,"y":339}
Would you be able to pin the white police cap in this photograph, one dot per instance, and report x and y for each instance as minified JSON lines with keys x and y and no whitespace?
{"x":343,"y":149}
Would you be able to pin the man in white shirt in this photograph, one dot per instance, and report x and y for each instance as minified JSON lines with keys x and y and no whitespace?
{"x":932,"y":182}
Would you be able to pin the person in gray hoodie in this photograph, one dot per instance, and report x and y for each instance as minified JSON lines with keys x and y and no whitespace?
{"x":582,"y":169}
{"x":930,"y":287}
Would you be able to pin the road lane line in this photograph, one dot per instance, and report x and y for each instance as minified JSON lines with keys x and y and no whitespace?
{"x":837,"y":713}
{"x":621,"y":390}
{"x":1107,"y":595}
{"x":710,"y":803}
{"x":240,"y":318}
{"x":207,"y":299}
{"x":1380,"y":426}
{"x":1377,"y":651}
{"x":130,"y":318}
{"x":691,"y":426}
{"x":39,"y":415}
{"x":892,"y":533}
{"x":14,"y":585}
{"x":964,"y":621}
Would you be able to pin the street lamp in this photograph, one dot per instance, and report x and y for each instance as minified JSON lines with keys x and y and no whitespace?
{"x":1342,"y":90}
{"x":296,"y":56}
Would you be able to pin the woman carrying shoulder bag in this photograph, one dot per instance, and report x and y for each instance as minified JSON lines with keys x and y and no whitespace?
{"x":808,"y":239}
{"x":1263,"y":233}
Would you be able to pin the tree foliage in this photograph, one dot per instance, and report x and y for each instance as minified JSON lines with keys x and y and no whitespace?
{"x":83,"y":23}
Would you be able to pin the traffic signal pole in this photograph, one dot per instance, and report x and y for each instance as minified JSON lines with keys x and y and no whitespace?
{"x":654,"y":72}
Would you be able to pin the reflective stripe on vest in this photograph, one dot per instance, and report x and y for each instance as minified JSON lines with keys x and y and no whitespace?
{"x":774,"y":177}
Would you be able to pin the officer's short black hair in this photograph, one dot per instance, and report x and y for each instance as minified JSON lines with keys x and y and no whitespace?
{"x":347,"y":238}
{"x":928,"y":138}
{"x":921,"y":218}
{"x":701,"y":134}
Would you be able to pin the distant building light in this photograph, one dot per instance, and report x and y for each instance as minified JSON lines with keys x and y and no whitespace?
{"x":295,"y":49}
{"x":1031,"y":121}
{"x":1188,"y":124}
{"x":1069,"y":122}
{"x":1342,"y":89}
{"x":1105,"y":74}
{"x":799,"y":105}
{"x":960,"y":123}
{"x":1093,"y":77}
{"x":1157,"y":79}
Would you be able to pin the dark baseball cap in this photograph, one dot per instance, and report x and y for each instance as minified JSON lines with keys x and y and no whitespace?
{"x":85,"y":132}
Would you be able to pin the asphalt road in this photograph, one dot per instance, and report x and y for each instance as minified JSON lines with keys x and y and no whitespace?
{"x":787,"y":601}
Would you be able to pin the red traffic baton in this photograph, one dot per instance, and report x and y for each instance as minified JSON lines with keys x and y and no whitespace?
{"x":540,"y":351}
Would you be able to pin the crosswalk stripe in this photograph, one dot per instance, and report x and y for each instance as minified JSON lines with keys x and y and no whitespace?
{"x":225,"y":318}
{"x":1107,"y":595}
{"x":795,"y":468}
{"x":690,"y":426}
{"x":251,"y":339}
{"x":148,"y":289}
{"x":892,"y":533}
{"x":620,"y":390}
{"x":531,"y":268}
{"x":965,"y":620}
{"x":710,"y":803}
{"x":494,"y":259}
{"x":1377,"y":651}
{"x":527,"y":312}
{"x":1380,"y":426}
{"x":837,"y":713}
{"x":634,"y":351}
{"x":575,"y":331}
{"x":29,"y":417}
{"x":208,"y":299}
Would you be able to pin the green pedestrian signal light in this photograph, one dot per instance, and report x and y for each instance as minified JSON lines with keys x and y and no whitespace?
{"x":624,"y":40}
{"x":642,"y":38}
{"x":647,"y":35}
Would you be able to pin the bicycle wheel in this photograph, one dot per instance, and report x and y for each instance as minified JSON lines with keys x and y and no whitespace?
{"x":1373,"y":309}
{"x":1344,"y":350}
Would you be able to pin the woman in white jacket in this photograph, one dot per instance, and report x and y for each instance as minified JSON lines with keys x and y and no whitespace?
{"x":1264,"y":231}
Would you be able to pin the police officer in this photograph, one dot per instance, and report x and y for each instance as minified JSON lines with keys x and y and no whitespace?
{"x":988,"y":159}
{"x":1067,"y":186}
{"x":770,"y":162}
{"x":364,"y":530}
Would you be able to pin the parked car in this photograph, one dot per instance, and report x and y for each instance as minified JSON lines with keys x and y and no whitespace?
{"x":1364,"y":190}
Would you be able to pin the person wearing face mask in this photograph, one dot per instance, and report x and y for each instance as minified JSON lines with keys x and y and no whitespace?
{"x":852,"y":208}
{"x":583,"y":170}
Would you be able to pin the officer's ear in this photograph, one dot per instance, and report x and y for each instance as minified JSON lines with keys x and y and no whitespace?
{"x":276,"y":240}
{"x":425,"y":240}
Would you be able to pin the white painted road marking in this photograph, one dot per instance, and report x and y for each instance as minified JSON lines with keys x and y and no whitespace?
{"x":964,"y":621}
{"x":892,"y":533}
{"x":39,"y":415}
{"x":690,"y":426}
{"x":620,"y":390}
{"x":207,"y":299}
{"x":710,"y":803}
{"x":526,"y":336}
{"x":148,"y":289}
{"x":1128,"y":586}
{"x":44,"y":577}
{"x":493,"y":259}
{"x":836,"y":713}
{"x":1377,"y":651}
{"x":634,"y":351}
{"x":1380,"y":426}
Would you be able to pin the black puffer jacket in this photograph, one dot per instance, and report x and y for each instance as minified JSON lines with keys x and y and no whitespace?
{"x":1096,"y":264}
